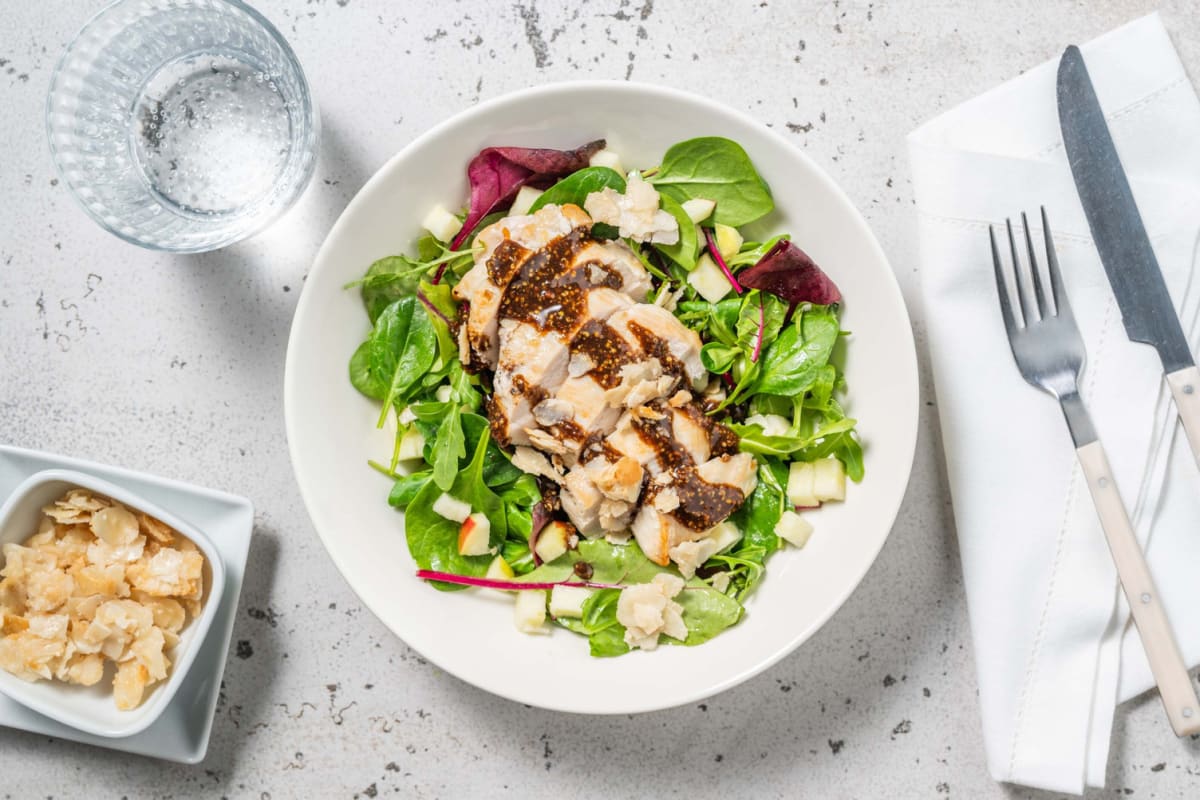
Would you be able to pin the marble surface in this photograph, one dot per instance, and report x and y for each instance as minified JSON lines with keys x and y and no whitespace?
{"x":174,"y":365}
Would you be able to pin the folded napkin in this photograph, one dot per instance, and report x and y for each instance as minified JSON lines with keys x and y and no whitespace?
{"x":1054,"y":649}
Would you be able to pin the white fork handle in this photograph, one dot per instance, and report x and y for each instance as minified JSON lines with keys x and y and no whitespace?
{"x":1185,"y":386}
{"x":1170,"y":673}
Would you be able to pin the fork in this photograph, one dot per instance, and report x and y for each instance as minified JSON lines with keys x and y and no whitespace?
{"x":1050,"y":354}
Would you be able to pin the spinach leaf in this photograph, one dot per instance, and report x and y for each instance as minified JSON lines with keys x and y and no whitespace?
{"x":793,"y":362}
{"x":760,"y":514}
{"x":407,"y":487}
{"x":687,"y":249}
{"x":609,"y":642}
{"x":389,"y":279}
{"x":715,"y":169}
{"x":497,"y":468}
{"x":577,"y":186}
{"x":433,"y":539}
{"x":361,"y":376}
{"x":717,"y":357}
{"x":706,"y":611}
{"x":402,"y":348}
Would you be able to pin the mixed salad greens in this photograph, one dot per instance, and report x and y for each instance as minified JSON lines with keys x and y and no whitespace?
{"x":768,"y":320}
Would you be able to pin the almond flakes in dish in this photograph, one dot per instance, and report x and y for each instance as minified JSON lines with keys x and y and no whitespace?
{"x":97,"y":583}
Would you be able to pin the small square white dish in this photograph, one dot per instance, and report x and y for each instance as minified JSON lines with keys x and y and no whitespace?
{"x":92,"y":709}
{"x":181,"y":732}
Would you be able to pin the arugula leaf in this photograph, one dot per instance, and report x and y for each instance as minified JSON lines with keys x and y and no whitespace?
{"x":752,"y":252}
{"x":402,"y":348}
{"x":753,"y":440}
{"x":687,"y":249}
{"x":433,"y":539}
{"x":578,"y":185}
{"x":393,"y":277}
{"x":716,"y":169}
{"x":450,"y":444}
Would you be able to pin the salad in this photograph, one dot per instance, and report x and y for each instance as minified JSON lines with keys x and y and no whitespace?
{"x":607,"y":399}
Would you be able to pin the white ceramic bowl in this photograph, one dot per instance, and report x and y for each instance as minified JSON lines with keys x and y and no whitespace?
{"x":91,"y":708}
{"x":470,"y":634}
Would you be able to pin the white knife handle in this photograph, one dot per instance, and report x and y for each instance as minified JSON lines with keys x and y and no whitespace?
{"x":1185,"y":386}
{"x":1170,"y":673}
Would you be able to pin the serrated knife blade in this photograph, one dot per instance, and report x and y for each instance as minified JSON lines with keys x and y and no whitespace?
{"x":1121,"y":239}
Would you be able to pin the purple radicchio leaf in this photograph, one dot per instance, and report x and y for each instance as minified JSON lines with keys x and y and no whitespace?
{"x":787,"y":272}
{"x":497,"y":173}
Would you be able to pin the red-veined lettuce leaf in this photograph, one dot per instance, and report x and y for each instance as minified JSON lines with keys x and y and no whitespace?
{"x":787,"y":272}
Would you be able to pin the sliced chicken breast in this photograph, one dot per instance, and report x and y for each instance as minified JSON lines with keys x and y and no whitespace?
{"x":502,"y":248}
{"x":658,"y":334}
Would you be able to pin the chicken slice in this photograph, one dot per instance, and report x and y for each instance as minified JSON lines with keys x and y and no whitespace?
{"x":739,"y":471}
{"x":657,"y":533}
{"x":505,"y":245}
{"x":658,"y":334}
{"x":531,"y":231}
{"x":700,"y":498}
{"x":532,"y":367}
{"x":616,"y":257}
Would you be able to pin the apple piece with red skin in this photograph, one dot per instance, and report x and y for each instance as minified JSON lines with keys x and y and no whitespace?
{"x":474,"y":535}
{"x":554,"y":540}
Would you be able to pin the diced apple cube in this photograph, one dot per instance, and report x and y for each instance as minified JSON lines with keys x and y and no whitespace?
{"x":794,"y":529}
{"x":412,"y":445}
{"x":729,"y":241}
{"x":499,"y":570}
{"x":443,"y":393}
{"x":553,"y":540}
{"x":474,"y":535}
{"x":607,"y":158}
{"x":567,"y":601}
{"x":829,"y":479}
{"x":524,"y":200}
{"x":529,"y":614}
{"x":800,"y":485}
{"x":708,"y":279}
{"x":442,"y":224}
{"x":772,"y":424}
{"x":698,"y":209}
{"x":451,"y":508}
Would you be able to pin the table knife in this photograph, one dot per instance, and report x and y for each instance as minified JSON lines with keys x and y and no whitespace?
{"x":1121,"y":239}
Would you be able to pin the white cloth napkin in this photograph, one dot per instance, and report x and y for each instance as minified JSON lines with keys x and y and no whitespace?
{"x":1054,"y":649}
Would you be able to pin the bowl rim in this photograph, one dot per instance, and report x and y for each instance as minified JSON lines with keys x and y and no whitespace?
{"x":906,"y":351}
{"x":307,"y":100}
{"x":12,"y":686}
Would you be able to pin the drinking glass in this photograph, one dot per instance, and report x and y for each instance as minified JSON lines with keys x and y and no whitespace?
{"x":182,"y":125}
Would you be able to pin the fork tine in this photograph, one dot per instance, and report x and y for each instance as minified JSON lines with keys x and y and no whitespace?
{"x":1062,"y":307}
{"x":1023,"y":296}
{"x":1010,"y":324}
{"x":1039,"y":292}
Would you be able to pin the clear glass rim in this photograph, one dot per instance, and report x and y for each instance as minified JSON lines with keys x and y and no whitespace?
{"x":306,"y":100}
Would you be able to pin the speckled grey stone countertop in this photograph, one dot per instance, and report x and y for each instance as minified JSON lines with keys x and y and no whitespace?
{"x":174,"y":365}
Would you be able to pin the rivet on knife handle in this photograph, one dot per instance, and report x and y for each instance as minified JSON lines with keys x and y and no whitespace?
{"x":1185,"y":386}
{"x":1170,"y":671}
